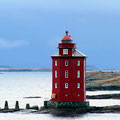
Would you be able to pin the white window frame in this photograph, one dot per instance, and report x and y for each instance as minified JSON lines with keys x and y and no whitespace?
{"x":78,"y":63}
{"x":55,"y":85}
{"x":66,"y":62}
{"x":66,"y":73}
{"x":55,"y":62}
{"x":65,"y":51}
{"x":78,"y":74}
{"x":78,"y":85}
{"x":55,"y":73}
{"x":66,"y":85}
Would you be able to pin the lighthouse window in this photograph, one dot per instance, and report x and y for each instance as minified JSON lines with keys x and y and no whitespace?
{"x":78,"y":74}
{"x":55,"y":85}
{"x":66,"y":62}
{"x":78,"y":85}
{"x":78,"y":63}
{"x":65,"y":51}
{"x":56,"y":63}
{"x":55,"y":73}
{"x":66,"y":85}
{"x":66,"y":74}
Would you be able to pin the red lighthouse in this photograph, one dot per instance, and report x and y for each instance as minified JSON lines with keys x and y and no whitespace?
{"x":68,"y":73}
{"x":68,"y":77}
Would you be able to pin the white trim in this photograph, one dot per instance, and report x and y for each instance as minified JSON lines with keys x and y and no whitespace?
{"x":66,"y":73}
{"x":78,"y":85}
{"x":66,"y":85}
{"x":55,"y":62}
{"x":65,"y":51}
{"x":55,"y":73}
{"x":66,"y":62}
{"x":55,"y":85}
{"x":78,"y":63}
{"x":78,"y":74}
{"x":84,"y":68}
{"x":75,"y":54}
{"x":81,"y":54}
{"x":84,"y":78}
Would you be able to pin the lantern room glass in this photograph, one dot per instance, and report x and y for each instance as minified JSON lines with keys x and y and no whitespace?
{"x":67,"y":41}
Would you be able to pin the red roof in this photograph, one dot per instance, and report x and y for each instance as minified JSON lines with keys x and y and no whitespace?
{"x":67,"y":37}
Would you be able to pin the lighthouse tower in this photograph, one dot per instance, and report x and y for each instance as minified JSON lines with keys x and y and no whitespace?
{"x":68,"y":75}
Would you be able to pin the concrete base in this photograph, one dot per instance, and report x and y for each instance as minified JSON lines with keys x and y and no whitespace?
{"x":54,"y":104}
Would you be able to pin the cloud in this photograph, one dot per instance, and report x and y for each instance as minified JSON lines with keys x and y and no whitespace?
{"x":12,"y":44}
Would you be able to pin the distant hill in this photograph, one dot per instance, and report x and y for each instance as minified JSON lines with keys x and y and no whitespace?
{"x":103,"y":78}
{"x":91,"y":68}
{"x":23,"y":69}
{"x":8,"y":68}
{"x":112,"y":81}
{"x":3,"y":66}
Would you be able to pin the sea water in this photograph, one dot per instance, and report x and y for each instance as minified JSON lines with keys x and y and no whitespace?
{"x":19,"y":85}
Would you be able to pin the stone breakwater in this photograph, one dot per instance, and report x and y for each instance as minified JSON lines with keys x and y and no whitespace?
{"x":6,"y":108}
{"x":66,"y":111}
{"x":78,"y":111}
{"x":59,"y":111}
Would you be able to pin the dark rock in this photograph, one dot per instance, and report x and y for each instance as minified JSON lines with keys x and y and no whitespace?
{"x":105,"y":96}
{"x":32,"y":97}
{"x":6,"y":107}
{"x":27,"y":106}
{"x":17,"y":105}
{"x":35,"y":107}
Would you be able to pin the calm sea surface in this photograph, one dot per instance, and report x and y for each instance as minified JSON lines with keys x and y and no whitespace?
{"x":17,"y":85}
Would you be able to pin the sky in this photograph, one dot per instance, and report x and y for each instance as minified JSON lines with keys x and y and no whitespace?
{"x":30,"y":31}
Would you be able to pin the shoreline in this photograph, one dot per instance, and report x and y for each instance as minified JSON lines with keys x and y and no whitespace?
{"x":104,"y":96}
{"x":67,"y":112}
{"x":102,"y":87}
{"x":92,"y":109}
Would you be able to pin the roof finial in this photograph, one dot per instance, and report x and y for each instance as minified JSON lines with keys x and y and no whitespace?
{"x":67,"y":37}
{"x":66,"y":32}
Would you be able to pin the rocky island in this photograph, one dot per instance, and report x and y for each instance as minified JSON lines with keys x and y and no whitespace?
{"x":99,"y":80}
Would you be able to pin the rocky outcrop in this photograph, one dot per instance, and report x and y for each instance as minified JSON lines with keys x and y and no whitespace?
{"x":105,"y":96}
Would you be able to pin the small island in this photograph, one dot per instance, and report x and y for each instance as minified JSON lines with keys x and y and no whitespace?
{"x":99,"y":80}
